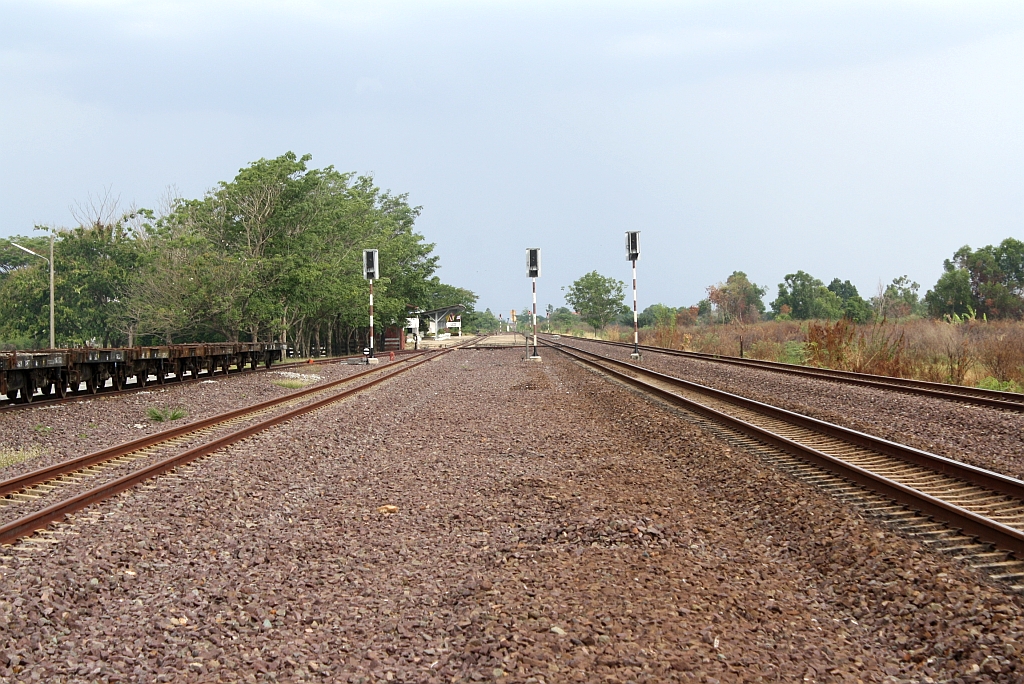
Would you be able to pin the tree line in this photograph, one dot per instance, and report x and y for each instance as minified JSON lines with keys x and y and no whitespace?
{"x":984,"y":283}
{"x":272,"y":255}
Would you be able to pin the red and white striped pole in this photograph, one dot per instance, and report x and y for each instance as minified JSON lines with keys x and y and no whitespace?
{"x":636,"y":327}
{"x":535,"y":317}
{"x":371,"y":318}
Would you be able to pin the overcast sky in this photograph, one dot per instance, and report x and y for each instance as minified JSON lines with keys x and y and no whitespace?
{"x":860,"y":140}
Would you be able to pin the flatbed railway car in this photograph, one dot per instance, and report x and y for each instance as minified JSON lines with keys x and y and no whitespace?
{"x":56,"y":372}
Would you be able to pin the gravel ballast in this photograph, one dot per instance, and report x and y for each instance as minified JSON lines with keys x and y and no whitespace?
{"x":985,"y":437}
{"x":547,"y":526}
{"x":63,"y":431}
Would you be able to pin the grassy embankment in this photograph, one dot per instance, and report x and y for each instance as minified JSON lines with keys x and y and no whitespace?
{"x":973,"y":353}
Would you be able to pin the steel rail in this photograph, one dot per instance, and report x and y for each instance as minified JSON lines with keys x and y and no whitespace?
{"x":28,"y":524}
{"x":26,"y":480}
{"x":986,"y":529}
{"x":1009,"y":401}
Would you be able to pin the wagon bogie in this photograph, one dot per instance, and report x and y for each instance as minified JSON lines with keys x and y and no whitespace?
{"x":56,"y":372}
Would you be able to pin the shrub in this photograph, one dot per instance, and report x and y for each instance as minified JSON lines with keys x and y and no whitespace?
{"x":158,"y":415}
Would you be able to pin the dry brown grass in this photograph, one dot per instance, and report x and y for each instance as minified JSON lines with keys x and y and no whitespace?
{"x":971,"y":352}
{"x":11,"y":455}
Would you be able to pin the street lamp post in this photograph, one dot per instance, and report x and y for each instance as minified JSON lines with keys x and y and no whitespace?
{"x":50,"y":262}
{"x":632,"y":254}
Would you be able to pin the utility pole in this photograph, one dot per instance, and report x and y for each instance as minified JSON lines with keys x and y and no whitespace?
{"x":533,"y":272}
{"x":633,"y":254}
{"x":50,"y":261}
{"x":371,"y":271}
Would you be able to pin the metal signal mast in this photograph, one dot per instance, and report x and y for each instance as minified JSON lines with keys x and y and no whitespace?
{"x":533,"y":272}
{"x":633,"y":254}
{"x":371,"y":271}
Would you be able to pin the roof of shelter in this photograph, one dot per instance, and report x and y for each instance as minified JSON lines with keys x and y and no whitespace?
{"x":443,"y":311}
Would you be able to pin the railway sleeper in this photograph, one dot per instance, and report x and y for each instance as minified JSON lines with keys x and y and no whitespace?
{"x":1000,"y":565}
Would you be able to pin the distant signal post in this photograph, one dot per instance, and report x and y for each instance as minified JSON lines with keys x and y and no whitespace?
{"x":533,"y":272}
{"x":371,"y":271}
{"x":633,"y":254}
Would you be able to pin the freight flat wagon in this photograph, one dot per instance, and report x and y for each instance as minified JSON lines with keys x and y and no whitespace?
{"x":57,"y":372}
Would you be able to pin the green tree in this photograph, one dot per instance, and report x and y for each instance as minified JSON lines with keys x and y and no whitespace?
{"x":438,"y":295}
{"x":806,"y":297}
{"x":994,"y":277}
{"x":952,"y":295}
{"x":479,"y":322}
{"x":704,"y":309}
{"x":562,"y":319}
{"x":656,"y":315}
{"x":273,"y":254}
{"x":93,"y":266}
{"x":898,"y":300}
{"x":737,"y":299}
{"x":854,"y":306}
{"x":597,"y":299}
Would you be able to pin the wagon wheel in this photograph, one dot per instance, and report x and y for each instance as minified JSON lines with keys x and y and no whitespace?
{"x":92,"y":386}
{"x":142,"y":377}
{"x":161,"y":374}
{"x":62,"y":387}
{"x":117,"y":381}
{"x":27,"y":394}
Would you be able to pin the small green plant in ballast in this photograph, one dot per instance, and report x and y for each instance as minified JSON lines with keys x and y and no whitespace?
{"x":158,"y":415}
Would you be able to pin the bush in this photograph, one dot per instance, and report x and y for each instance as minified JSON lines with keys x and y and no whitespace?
{"x":991,"y":383}
{"x":1001,"y":350}
{"x":961,"y":350}
{"x":158,"y":415}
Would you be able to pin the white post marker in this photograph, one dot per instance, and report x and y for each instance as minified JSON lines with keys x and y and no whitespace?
{"x":633,"y":254}
{"x":371,"y":271}
{"x":533,"y":272}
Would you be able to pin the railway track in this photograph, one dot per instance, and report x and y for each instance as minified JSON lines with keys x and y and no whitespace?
{"x":40,"y":485}
{"x":974,"y":512}
{"x":1007,"y":401}
{"x":497,"y":341}
{"x":83,"y":395}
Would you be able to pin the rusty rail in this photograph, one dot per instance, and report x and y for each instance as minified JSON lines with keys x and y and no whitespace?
{"x":1009,"y":401}
{"x":991,"y":531}
{"x":40,"y":519}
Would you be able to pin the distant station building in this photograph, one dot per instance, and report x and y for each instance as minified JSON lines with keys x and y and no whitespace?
{"x":446,"y":320}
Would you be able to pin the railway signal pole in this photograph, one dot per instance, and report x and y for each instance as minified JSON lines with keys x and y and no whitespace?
{"x":371,"y":271}
{"x":632,"y":254}
{"x":50,"y":262}
{"x":533,"y":272}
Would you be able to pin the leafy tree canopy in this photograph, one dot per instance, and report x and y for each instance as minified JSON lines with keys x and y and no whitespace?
{"x":899,"y":299}
{"x":806,"y":297}
{"x":597,"y":299}
{"x":854,"y":306}
{"x":737,"y":299}
{"x":273,"y":254}
{"x":989,"y":281}
{"x":655,"y":316}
